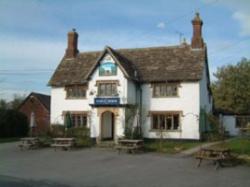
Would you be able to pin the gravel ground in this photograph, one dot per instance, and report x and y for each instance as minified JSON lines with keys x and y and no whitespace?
{"x":98,"y":168}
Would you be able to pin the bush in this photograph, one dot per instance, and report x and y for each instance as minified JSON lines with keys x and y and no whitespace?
{"x":13,"y":124}
{"x":57,"y":130}
{"x":131,"y":133}
{"x":82,"y":136}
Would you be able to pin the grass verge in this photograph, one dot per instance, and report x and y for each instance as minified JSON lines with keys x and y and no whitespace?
{"x":170,"y":147}
{"x":240,"y":146}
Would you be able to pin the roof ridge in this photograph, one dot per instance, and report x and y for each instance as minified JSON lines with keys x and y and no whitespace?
{"x":37,"y":93}
{"x":136,"y":48}
{"x":152,"y":47}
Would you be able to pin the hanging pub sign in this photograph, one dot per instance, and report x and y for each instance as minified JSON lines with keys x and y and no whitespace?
{"x":107,"y":68}
{"x":107,"y":101}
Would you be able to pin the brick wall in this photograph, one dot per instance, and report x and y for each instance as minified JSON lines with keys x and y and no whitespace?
{"x":42,"y":116}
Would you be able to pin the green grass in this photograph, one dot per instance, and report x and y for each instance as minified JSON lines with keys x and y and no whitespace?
{"x":170,"y":147}
{"x":238,"y":145}
{"x":6,"y":140}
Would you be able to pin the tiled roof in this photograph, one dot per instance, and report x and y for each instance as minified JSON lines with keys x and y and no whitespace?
{"x":44,"y":99}
{"x":175,"y":63}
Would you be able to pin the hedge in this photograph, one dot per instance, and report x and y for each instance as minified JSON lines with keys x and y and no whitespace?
{"x":13,"y":124}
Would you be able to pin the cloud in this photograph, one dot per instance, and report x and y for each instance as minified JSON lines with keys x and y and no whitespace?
{"x":240,"y":12}
{"x":243,"y":19}
{"x":161,"y":25}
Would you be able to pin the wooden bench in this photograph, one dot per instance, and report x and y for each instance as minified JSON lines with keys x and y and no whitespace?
{"x":64,"y":143}
{"x":29,"y":143}
{"x":130,"y":146}
{"x":218,"y":156}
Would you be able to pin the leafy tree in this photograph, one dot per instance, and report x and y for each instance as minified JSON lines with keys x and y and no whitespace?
{"x":231,"y":90}
{"x":13,"y":124}
{"x":18,"y":99}
{"x":3,"y":104}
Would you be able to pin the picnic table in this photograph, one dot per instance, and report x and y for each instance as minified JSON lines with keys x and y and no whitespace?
{"x":217,"y":155}
{"x":130,"y":145}
{"x":29,"y":143}
{"x":64,"y":143}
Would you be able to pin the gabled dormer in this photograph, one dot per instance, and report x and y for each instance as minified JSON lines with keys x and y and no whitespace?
{"x":109,"y":80}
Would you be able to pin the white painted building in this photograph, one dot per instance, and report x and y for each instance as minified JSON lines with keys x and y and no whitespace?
{"x":102,"y":90}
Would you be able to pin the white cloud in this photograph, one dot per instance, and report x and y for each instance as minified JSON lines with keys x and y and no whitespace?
{"x":243,"y":19}
{"x":161,"y":25}
{"x":240,"y":9}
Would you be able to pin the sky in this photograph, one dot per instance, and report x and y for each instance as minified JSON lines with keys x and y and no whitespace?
{"x":33,"y":33}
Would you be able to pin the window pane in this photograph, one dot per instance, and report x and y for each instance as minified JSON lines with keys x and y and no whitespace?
{"x":108,"y":90}
{"x":156,"y":90}
{"x":163,"y":90}
{"x":84,"y":122}
{"x":176,"y":122}
{"x":78,"y":122}
{"x":73,"y":119}
{"x":169,"y":122}
{"x":114,"y":91}
{"x":155,"y":122}
{"x":102,"y":89}
{"x":162,"y":122}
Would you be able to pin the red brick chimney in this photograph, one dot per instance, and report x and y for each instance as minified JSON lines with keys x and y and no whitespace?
{"x":72,"y":50}
{"x":197,"y":40}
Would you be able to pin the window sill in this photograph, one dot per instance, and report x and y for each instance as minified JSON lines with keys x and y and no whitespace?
{"x":75,"y":98}
{"x":165,"y":97}
{"x":157,"y":130}
{"x":111,"y":96}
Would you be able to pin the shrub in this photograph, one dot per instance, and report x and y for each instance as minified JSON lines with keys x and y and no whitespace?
{"x":13,"y":124}
{"x":82,"y":135}
{"x":128,"y":132}
{"x":57,"y":130}
{"x":131,"y":133}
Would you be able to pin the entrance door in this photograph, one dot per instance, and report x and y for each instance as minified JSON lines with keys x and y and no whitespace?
{"x":107,"y":126}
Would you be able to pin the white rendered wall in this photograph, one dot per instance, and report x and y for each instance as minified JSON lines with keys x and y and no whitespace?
{"x":187,"y":102}
{"x":229,"y":123}
{"x":59,"y":103}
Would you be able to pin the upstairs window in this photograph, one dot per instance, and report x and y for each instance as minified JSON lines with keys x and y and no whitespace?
{"x":76,"y":92}
{"x":165,"y":90}
{"x":165,"y":121}
{"x":107,"y":89}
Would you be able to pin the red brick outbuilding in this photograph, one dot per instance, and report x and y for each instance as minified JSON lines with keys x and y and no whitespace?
{"x":38,"y":105}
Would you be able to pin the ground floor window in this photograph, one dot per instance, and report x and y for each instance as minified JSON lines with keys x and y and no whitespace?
{"x":165,"y":121}
{"x":78,"y":119}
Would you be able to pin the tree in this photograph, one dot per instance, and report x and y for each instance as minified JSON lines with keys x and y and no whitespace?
{"x":231,"y":90}
{"x":18,"y":99}
{"x":13,"y":124}
{"x":3,"y":104}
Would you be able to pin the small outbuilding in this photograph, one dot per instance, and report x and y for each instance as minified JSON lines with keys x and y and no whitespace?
{"x":36,"y":107}
{"x":234,"y":122}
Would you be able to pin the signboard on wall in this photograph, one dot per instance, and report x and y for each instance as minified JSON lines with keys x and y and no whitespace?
{"x":107,"y":101}
{"x":107,"y":68}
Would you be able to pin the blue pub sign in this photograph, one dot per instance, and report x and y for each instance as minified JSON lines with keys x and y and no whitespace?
{"x":107,"y":101}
